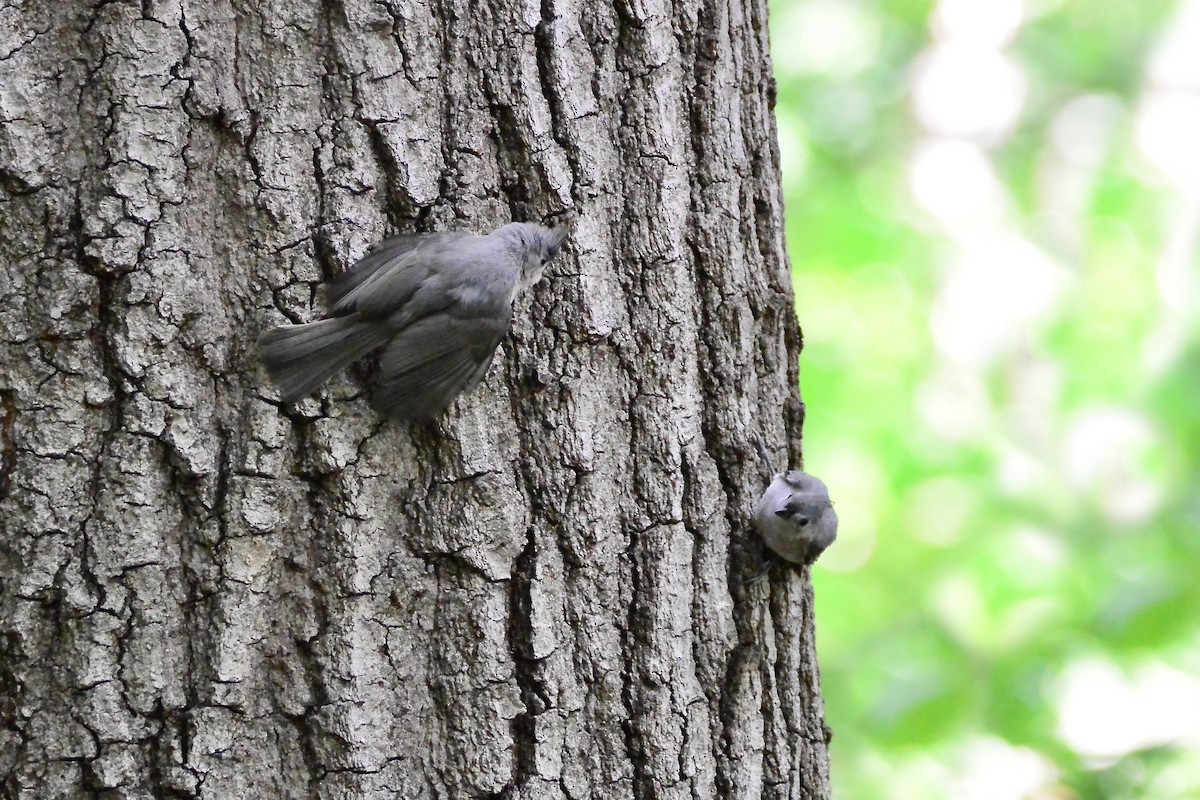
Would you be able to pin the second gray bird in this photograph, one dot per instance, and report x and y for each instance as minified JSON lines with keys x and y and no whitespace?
{"x":437,"y":305}
{"x":795,"y":516}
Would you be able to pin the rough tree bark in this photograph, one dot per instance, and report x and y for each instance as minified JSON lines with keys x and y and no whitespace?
{"x":205,"y":594}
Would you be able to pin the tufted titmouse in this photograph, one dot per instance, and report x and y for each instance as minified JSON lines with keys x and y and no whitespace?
{"x":795,"y":516}
{"x":437,"y":304}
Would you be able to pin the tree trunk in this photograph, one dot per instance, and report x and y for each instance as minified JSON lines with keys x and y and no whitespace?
{"x":208,"y":594}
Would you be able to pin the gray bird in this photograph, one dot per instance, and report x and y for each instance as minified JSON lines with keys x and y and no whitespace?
{"x":795,"y":516}
{"x":435,"y":304}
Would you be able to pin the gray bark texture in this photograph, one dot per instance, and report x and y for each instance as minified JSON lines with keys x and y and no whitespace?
{"x":205,"y":593}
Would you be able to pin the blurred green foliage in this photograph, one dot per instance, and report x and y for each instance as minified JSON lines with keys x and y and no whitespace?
{"x":1011,"y":608}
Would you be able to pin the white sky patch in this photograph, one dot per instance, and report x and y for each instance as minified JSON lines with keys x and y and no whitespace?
{"x":1167,"y":128}
{"x":1082,"y":130}
{"x":1018,"y":472}
{"x":1101,"y":453}
{"x":1174,"y":61}
{"x":1035,"y":387}
{"x":1104,"y":713}
{"x":1083,"y":134}
{"x":981,"y":23}
{"x":999,"y":286}
{"x":836,"y":38}
{"x":962,"y":90}
{"x":992,"y":769}
{"x":954,"y":405}
{"x":1167,"y":125}
{"x":953,"y":181}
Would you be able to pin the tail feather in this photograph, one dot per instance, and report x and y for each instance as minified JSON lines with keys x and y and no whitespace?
{"x":299,"y":358}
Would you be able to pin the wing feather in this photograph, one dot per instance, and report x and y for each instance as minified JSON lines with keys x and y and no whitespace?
{"x":434,"y":360}
{"x":390,"y":274}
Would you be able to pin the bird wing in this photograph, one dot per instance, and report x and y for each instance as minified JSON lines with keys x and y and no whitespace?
{"x":390,"y":274}
{"x":437,"y":357}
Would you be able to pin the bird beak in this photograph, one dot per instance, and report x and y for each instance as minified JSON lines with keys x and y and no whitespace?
{"x":781,"y":512}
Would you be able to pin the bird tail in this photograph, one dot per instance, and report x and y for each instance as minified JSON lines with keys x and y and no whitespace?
{"x":764,"y":460}
{"x":299,"y":358}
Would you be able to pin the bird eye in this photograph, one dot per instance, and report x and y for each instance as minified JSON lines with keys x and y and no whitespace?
{"x":802,"y":521}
